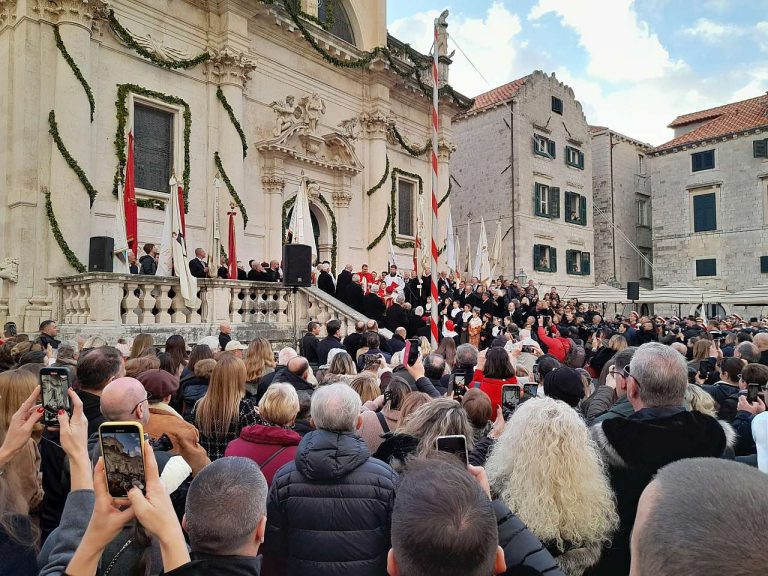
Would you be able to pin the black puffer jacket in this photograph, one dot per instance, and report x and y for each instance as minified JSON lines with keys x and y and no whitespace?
{"x":329,"y":511}
{"x":523,"y":552}
{"x":727,"y":398}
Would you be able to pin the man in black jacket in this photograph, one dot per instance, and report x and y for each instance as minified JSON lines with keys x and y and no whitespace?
{"x":48,"y":333}
{"x":325,"y":280}
{"x":440,"y":492}
{"x":309,"y":342}
{"x":258,"y":273}
{"x":659,"y":432}
{"x":353,"y":342}
{"x":434,"y":369}
{"x":466,"y":359}
{"x":225,"y":329}
{"x":329,"y":509}
{"x":344,"y":280}
{"x":331,"y":341}
{"x":198,"y":266}
{"x":355,"y":294}
{"x":148,"y":262}
{"x":295,"y":373}
{"x":397,"y":316}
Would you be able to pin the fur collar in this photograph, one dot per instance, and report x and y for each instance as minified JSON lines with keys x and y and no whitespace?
{"x":652,"y":444}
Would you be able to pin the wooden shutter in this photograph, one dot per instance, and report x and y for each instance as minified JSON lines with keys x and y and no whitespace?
{"x":551,"y":148}
{"x":763,"y":264}
{"x":570,"y":258}
{"x":585,"y":259}
{"x":568,"y":205}
{"x":760,"y":148}
{"x":537,"y":199}
{"x":536,"y":256}
{"x":554,"y":202}
{"x":535,"y":146}
{"x":581,"y":160}
{"x":583,"y":210}
{"x":706,"y":267}
{"x":704,"y":213}
{"x":552,"y":259}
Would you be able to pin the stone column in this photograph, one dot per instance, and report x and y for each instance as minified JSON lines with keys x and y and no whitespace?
{"x":273,"y":186}
{"x":70,"y":201}
{"x":231,"y":70}
{"x":375,"y":125}
{"x":342,"y":196}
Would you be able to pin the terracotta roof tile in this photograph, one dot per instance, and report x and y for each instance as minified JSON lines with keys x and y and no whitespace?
{"x":498,"y":95}
{"x":719,"y":121}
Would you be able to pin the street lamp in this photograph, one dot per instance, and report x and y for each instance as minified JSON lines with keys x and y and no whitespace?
{"x":522,"y":278}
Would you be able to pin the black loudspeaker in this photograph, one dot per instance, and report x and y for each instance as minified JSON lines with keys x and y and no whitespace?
{"x":297,"y":265}
{"x":633,"y":291}
{"x":101,"y":253}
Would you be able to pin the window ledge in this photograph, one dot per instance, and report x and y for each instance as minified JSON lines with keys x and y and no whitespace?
{"x":153,"y":194}
{"x":543,"y":155}
{"x":706,"y":232}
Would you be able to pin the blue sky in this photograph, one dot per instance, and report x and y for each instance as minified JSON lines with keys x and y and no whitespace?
{"x":634,"y":64}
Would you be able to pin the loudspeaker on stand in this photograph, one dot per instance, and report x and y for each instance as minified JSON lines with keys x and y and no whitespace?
{"x":297,"y":265}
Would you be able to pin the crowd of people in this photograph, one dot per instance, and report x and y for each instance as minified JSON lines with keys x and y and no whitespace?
{"x":633,"y":445}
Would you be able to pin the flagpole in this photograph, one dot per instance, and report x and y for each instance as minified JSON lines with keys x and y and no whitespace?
{"x":434,"y":272}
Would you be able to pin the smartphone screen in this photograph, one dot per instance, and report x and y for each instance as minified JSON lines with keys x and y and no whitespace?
{"x":527,"y":349}
{"x":531,"y":390}
{"x":122,"y":446}
{"x":54,"y":383}
{"x":457,"y":385}
{"x":510,"y":396}
{"x":704,"y":368}
{"x":413,"y":351}
{"x":456,"y":445}
{"x":752,"y":391}
{"x":536,"y":372}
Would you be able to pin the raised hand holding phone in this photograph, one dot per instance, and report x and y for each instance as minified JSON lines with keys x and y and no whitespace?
{"x":21,"y":426}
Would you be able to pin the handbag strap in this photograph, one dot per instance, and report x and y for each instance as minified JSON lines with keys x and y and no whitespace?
{"x":383,"y":422}
{"x":274,"y":455}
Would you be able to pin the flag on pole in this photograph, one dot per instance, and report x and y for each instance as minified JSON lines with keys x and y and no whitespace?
{"x":482,"y":269}
{"x":232,"y":244}
{"x":121,"y":241}
{"x":450,"y":244}
{"x":459,"y":271}
{"x":214,"y":249}
{"x":468,"y":255}
{"x":301,"y":221}
{"x":495,"y":256}
{"x":180,"y":194}
{"x":392,"y":255}
{"x":129,"y":201}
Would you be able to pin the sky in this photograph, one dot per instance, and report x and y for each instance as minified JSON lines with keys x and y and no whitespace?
{"x":633,"y":64}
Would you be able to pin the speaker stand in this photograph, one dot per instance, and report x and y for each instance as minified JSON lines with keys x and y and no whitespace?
{"x":295,"y":291}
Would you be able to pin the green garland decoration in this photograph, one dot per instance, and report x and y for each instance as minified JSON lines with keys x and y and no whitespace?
{"x":75,"y":69}
{"x":378,"y":238}
{"x":128,"y":40}
{"x":152,"y":203}
{"x":326,"y":24}
{"x":230,"y":187}
{"x":53,"y":129}
{"x":380,"y":183}
{"x":122,"y":119}
{"x":288,"y":204}
{"x":447,"y":193}
{"x":68,"y":254}
{"x":233,"y":119}
{"x":412,"y":150}
{"x":393,"y":203}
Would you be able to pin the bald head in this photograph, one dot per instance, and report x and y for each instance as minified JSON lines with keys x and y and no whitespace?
{"x":680,"y":347}
{"x":225,"y":328}
{"x":119,"y":401}
{"x":401,"y":332}
{"x":761,"y":341}
{"x":298,"y":366}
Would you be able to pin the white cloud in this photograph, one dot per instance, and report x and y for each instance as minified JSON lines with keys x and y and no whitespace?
{"x":490,"y":42}
{"x":761,"y":31}
{"x":713,"y":32}
{"x":621,"y":47}
{"x":756,"y":85}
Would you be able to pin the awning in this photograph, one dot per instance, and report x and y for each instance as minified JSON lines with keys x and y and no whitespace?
{"x":754,"y":296}
{"x":599,"y":294}
{"x":682,"y":294}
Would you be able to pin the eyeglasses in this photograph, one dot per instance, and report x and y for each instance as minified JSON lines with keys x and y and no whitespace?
{"x":739,"y":377}
{"x":626,"y":373}
{"x":615,"y":373}
{"x":147,"y":399}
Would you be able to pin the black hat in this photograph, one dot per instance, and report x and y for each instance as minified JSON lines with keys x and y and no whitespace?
{"x":564,"y":384}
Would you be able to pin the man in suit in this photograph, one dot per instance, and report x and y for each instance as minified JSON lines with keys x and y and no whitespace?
{"x":325,"y":280}
{"x":241,"y":273}
{"x":133,"y":265}
{"x":198,"y":266}
{"x":396,"y":315}
{"x":344,"y":280}
{"x":274,"y":271}
{"x":309,"y":342}
{"x":257,"y":273}
{"x":354,"y":294}
{"x":374,"y":307}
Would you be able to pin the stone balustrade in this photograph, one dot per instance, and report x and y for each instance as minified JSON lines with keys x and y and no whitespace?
{"x":123,"y":304}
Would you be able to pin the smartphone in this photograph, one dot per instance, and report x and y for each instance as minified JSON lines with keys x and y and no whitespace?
{"x":536,"y":372}
{"x":122,"y":446}
{"x":457,"y":385}
{"x":752,"y":391}
{"x":510,"y":396}
{"x":277,"y":357}
{"x":531,"y":389}
{"x":412,"y":353}
{"x":456,"y":445}
{"x":528,"y":349}
{"x":54,"y":383}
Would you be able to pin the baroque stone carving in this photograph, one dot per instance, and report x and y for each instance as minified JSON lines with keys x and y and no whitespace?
{"x":77,"y":11}
{"x":376,"y":124}
{"x":230,"y":65}
{"x":7,"y":11}
{"x":9,"y":269}
{"x":306,"y":114}
{"x":350,"y":128}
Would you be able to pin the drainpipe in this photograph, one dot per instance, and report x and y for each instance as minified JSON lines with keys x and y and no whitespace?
{"x":613,"y":214}
{"x":512,"y":183}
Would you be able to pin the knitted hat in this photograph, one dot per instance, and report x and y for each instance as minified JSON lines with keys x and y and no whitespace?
{"x":564,"y":384}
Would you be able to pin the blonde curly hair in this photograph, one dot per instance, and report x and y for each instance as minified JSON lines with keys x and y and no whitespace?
{"x":547,"y":469}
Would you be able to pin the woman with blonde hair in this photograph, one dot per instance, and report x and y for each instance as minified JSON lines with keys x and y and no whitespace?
{"x":224,"y":411}
{"x":15,"y":387}
{"x":547,"y":470}
{"x":136,"y":366}
{"x":140,"y":344}
{"x":340,"y":363}
{"x":367,"y":387}
{"x":271,"y":443}
{"x":259,"y":361}
{"x":699,"y":400}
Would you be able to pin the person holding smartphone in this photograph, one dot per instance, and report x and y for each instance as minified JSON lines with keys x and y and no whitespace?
{"x":726,"y":390}
{"x":494,"y":369}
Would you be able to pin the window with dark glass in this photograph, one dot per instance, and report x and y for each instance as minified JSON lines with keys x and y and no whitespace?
{"x":706,"y":267}
{"x":575,"y":208}
{"x":543,"y":146}
{"x":704,"y":212}
{"x":557,"y":105}
{"x":153,"y":147}
{"x":702,"y":160}
{"x":546,"y":201}
{"x":763,"y":264}
{"x":577,"y":262}
{"x":544,"y":258}
{"x":405,"y":208}
{"x":341,"y":27}
{"x":574,"y":157}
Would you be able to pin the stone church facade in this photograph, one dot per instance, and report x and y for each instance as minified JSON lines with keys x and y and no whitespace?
{"x":259,"y":96}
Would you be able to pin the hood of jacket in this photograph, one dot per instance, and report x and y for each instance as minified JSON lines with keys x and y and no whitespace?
{"x":325,"y":455}
{"x":260,"y":434}
{"x":651,"y":444}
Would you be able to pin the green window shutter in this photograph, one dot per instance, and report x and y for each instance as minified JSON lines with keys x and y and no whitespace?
{"x":537,"y":199}
{"x":536,"y":256}
{"x":585,"y":259}
{"x":551,"y":148}
{"x":581,"y":160}
{"x":552,"y":259}
{"x":704,"y":213}
{"x":554,"y":202}
{"x":763,"y":264}
{"x":570,"y":258}
{"x":535,"y":149}
{"x":760,"y":148}
{"x":568,"y":205}
{"x":583,"y":211}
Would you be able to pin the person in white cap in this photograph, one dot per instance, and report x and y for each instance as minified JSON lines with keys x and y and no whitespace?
{"x":236,"y":348}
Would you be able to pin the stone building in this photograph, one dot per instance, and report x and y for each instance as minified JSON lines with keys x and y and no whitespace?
{"x":523,"y":157}
{"x":710,"y":198}
{"x":621,"y":186}
{"x":269,"y":95}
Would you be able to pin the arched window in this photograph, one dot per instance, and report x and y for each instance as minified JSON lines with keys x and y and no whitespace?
{"x":341,"y":27}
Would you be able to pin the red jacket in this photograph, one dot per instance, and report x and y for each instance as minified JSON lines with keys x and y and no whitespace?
{"x":259,"y":443}
{"x":557,"y":346}
{"x":492,"y":387}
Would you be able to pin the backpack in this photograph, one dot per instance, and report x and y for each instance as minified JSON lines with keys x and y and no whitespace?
{"x":576,"y":356}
